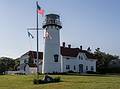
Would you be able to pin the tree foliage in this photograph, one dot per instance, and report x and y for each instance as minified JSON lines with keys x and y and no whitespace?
{"x":103,"y":58}
{"x":8,"y":64}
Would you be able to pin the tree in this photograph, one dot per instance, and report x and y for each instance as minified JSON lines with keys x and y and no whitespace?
{"x":103,"y":58}
{"x":17,"y":63}
{"x":6,"y":64}
{"x":2,"y":68}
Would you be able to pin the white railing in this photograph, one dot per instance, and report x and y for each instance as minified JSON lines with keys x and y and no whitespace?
{"x":47,"y":22}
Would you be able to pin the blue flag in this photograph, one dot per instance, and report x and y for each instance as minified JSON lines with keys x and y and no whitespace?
{"x":30,"y":35}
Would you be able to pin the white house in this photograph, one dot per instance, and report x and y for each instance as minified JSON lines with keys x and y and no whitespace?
{"x":28,"y":62}
{"x":56,"y":58}
{"x":77,"y":60}
{"x":72,"y":59}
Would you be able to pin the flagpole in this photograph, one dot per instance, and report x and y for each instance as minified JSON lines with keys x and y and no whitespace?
{"x":37,"y":44}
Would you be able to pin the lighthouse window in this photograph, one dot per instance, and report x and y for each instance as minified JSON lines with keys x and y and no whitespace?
{"x":55,"y":58}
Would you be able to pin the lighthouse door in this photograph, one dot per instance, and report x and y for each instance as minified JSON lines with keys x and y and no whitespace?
{"x":80,"y":68}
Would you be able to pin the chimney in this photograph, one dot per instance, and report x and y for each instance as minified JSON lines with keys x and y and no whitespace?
{"x":88,"y":49}
{"x":69,"y":46}
{"x":81,"y":47}
{"x":63,"y":44}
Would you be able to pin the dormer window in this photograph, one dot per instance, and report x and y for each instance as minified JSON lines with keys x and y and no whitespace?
{"x":56,"y":57}
{"x":81,"y":57}
{"x":25,"y":61}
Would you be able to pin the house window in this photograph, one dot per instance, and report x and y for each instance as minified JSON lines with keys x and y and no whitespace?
{"x":67,"y":66}
{"x":86,"y":67}
{"x":92,"y":68}
{"x":56,"y":57}
{"x":25,"y":61}
{"x":80,"y":57}
{"x":74,"y":67}
{"x":67,"y":58}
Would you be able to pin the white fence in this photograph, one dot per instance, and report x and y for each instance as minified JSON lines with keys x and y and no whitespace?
{"x":12,"y":72}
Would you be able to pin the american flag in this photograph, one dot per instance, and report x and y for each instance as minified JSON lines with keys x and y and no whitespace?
{"x":39,"y":10}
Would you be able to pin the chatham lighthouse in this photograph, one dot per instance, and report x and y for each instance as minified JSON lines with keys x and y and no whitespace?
{"x":57,"y":58}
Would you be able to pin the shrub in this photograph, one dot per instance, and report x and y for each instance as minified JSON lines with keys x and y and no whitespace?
{"x":113,"y":70}
{"x":109,"y":70}
{"x":71,"y":71}
{"x":91,"y":72}
{"x":35,"y":81}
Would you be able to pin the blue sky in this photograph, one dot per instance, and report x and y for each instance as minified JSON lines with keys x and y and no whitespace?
{"x":94,"y":23}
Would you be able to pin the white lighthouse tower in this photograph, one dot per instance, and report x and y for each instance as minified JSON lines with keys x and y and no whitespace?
{"x":51,"y":56}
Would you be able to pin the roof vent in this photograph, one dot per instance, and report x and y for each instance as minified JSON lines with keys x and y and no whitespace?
{"x":63,"y":44}
{"x":69,"y":46}
{"x":81,"y":47}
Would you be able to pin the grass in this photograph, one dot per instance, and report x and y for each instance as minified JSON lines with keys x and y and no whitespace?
{"x":68,"y":82}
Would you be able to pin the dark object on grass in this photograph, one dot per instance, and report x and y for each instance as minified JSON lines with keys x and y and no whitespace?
{"x":46,"y":79}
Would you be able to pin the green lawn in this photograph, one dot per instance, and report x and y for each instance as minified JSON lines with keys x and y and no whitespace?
{"x":68,"y":82}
